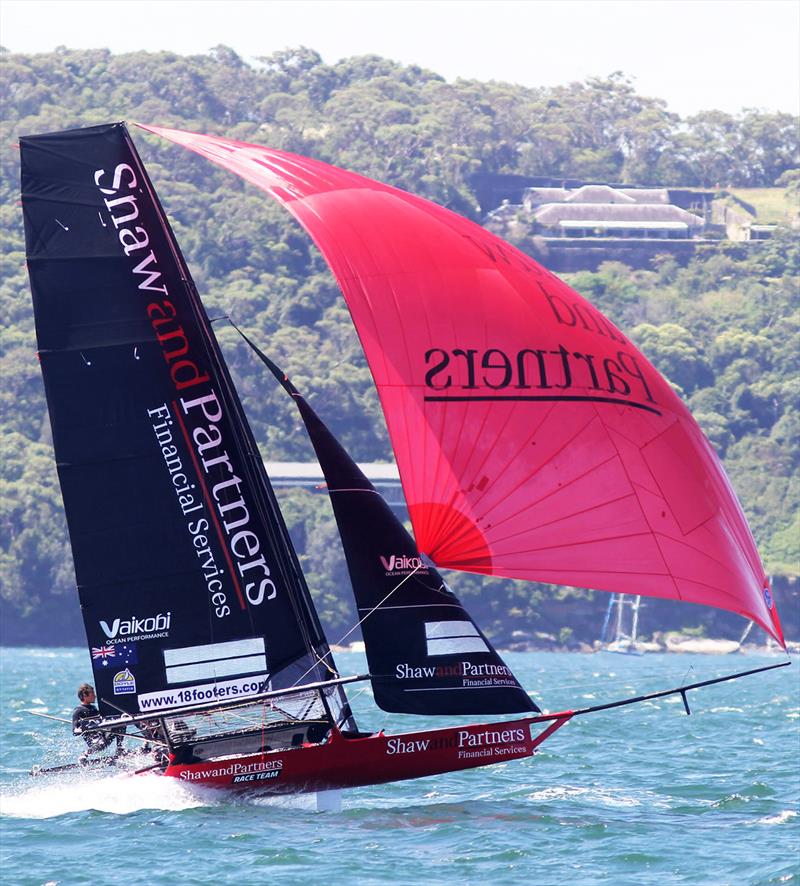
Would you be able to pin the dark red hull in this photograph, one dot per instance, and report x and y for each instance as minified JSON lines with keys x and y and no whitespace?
{"x":348,"y":762}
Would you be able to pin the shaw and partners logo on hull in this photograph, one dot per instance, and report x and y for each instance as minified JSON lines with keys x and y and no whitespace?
{"x":239,"y":772}
{"x":490,"y":742}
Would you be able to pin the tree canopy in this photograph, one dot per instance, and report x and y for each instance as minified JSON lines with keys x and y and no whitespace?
{"x":724,"y":330}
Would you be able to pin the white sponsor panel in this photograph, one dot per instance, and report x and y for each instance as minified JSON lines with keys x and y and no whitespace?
{"x":453,"y":637}
{"x":456,"y":645}
{"x":203,"y":693}
{"x":213,"y":660}
{"x":209,"y":651}
{"x":434,"y":629}
{"x":212,"y":670}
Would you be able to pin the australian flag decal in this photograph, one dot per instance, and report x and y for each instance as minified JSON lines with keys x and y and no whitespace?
{"x":126,"y":654}
{"x":101,"y":655}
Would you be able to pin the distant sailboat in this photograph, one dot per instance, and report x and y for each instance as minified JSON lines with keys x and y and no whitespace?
{"x":621,"y":625}
{"x":533,"y":441}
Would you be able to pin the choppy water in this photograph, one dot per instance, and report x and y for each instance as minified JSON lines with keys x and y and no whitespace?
{"x":641,"y":796}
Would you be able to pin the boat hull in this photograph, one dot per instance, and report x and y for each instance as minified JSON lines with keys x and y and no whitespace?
{"x":347,"y":762}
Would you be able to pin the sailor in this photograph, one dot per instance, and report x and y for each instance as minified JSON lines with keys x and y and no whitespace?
{"x":85,"y":716}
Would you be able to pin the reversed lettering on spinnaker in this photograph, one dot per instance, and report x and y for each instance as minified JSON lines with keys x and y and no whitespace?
{"x":498,"y":374}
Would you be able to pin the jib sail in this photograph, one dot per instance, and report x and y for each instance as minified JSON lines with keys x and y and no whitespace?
{"x":533,"y":439}
{"x":189,"y":586}
{"x":426,"y":655}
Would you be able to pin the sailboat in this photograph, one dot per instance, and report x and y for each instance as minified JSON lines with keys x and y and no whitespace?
{"x":533,"y":441}
{"x":621,"y":625}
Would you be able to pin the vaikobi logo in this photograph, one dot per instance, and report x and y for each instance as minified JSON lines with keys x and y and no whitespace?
{"x":401,"y":564}
{"x":136,"y":628}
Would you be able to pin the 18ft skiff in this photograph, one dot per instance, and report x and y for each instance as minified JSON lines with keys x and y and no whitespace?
{"x":533,"y":441}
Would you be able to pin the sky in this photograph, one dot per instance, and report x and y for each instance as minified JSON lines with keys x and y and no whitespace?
{"x":695,"y":54}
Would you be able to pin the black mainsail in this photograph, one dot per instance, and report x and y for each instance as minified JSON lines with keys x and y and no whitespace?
{"x":190,"y":589}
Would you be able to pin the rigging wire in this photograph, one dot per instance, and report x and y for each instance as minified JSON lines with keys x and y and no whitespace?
{"x":378,"y":605}
{"x":362,"y":620}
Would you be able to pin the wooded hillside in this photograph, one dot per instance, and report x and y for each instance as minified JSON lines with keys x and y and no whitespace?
{"x":725,"y":330}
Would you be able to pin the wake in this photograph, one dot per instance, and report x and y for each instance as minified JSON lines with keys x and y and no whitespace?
{"x":119,"y":794}
{"x":125,"y":793}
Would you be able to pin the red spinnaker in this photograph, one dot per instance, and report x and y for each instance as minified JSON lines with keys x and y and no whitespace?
{"x":533,"y":439}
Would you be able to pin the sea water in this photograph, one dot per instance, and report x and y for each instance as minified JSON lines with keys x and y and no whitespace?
{"x":639,"y":795}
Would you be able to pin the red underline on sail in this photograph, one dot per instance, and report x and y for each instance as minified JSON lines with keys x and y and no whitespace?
{"x":207,"y":497}
{"x":548,"y":398}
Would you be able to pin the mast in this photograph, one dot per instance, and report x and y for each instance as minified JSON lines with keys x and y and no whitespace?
{"x":625,"y":632}
{"x":620,"y":607}
{"x":635,"y":603}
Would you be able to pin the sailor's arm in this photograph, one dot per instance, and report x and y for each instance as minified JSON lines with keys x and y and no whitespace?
{"x":82,"y":720}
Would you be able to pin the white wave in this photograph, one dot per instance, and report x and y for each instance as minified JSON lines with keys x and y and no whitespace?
{"x":611,"y":797}
{"x":558,"y":793}
{"x":119,"y":794}
{"x":305,"y":802}
{"x":780,"y":818}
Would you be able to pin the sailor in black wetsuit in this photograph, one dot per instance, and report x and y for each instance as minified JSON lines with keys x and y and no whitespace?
{"x":86,"y":714}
